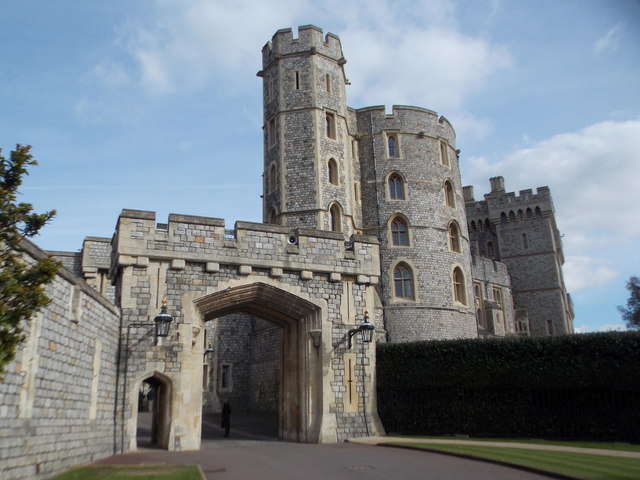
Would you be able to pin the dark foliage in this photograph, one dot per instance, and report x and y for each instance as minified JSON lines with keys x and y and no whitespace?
{"x":573,"y":386}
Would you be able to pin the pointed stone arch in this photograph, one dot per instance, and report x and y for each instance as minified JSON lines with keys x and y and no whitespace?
{"x":162,"y":425}
{"x":301,"y":387}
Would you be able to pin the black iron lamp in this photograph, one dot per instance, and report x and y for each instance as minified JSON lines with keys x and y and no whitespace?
{"x":209,"y":350}
{"x":163,"y":321}
{"x":366,"y":330}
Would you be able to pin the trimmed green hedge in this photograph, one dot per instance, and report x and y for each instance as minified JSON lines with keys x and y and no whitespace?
{"x":573,"y":386}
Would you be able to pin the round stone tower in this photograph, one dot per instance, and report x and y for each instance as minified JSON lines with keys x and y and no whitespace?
{"x":308,"y":175}
{"x":412,"y":201}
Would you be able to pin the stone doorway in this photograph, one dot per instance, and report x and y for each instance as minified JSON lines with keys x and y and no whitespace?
{"x":153,"y":412}
{"x":243,"y":369}
{"x":298,"y":405}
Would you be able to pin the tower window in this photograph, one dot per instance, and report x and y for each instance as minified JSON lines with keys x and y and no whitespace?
{"x":497,"y":296}
{"x":297,"y":79}
{"x":490,"y":250}
{"x":332,"y":171}
{"x":444,"y":154}
{"x":449,"y":199}
{"x":525,"y":241}
{"x":327,"y":81}
{"x":403,"y":281}
{"x":335,"y":218}
{"x":454,"y":238}
{"x":330,"y":120}
{"x":392,"y":144}
{"x":396,"y":187}
{"x":458,"y":286}
{"x":399,"y":233}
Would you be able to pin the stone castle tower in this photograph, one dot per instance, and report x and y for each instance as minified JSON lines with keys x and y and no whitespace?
{"x":394,"y":176}
{"x":520,"y":231}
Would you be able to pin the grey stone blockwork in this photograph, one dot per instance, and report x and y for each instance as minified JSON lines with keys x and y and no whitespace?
{"x":276,"y":301}
{"x":57,"y":398}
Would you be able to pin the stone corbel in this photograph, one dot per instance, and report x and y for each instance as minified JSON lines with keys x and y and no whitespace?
{"x":195,"y":331}
{"x":316,"y":335}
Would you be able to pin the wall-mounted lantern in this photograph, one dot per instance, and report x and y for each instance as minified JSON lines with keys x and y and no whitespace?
{"x":163,"y":321}
{"x":366,"y":330}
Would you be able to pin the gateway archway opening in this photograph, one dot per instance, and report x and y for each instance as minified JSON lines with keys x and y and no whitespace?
{"x":153,"y":413}
{"x":245,"y":371}
{"x":265,"y":361}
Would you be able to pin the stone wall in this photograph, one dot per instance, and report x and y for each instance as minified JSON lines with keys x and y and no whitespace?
{"x":57,"y":398}
{"x":523,"y":231}
{"x":195,"y":262}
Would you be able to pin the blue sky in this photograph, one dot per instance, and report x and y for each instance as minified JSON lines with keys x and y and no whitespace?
{"x":155,"y":105}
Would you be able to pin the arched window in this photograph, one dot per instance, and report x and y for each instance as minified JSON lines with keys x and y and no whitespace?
{"x":454,"y":238}
{"x":399,"y":233}
{"x":332,"y":171}
{"x":396,"y":187}
{"x":444,"y":154}
{"x":335,"y":218}
{"x":403,"y":281}
{"x":392,"y":144}
{"x":490,"y":250}
{"x":449,"y":199}
{"x":330,"y":119}
{"x":458,"y":286}
{"x":272,"y":179}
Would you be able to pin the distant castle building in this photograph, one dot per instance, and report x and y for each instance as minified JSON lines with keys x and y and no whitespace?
{"x":396,"y":176}
{"x":365,"y":219}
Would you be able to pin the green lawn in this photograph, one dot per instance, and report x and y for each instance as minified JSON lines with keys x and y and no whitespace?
{"x":605,"y":445}
{"x":129,"y":472}
{"x":576,"y":465}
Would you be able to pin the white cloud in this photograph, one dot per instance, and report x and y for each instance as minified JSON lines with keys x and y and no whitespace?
{"x":593,"y":176}
{"x":609,"y":42}
{"x":582,"y":271}
{"x":607,"y":327}
{"x":413,"y":56}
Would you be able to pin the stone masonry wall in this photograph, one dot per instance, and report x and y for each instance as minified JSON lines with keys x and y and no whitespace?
{"x":194,"y":257}
{"x":57,"y":398}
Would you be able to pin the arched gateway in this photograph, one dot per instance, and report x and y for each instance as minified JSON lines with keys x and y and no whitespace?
{"x":300,"y":405}
{"x":312,"y":286}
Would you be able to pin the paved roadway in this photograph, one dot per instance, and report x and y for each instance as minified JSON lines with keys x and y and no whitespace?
{"x":247,"y":455}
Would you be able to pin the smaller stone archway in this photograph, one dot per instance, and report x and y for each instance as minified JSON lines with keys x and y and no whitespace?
{"x":155,"y":408}
{"x":300,"y":402}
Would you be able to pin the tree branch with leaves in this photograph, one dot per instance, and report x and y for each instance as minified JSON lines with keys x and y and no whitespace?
{"x":22,"y":281}
{"x":631,"y":313}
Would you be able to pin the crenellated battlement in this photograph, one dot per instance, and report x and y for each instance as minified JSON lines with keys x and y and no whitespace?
{"x":310,"y":39}
{"x":407,"y":118}
{"x":499,"y":201}
{"x":186,"y":238}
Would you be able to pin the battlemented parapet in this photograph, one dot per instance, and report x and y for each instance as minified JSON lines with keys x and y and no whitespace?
{"x":309,"y":38}
{"x":248,"y":246}
{"x":521,"y":231}
{"x":312,"y":285}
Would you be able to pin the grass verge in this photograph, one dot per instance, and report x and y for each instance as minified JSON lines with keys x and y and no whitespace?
{"x":574,"y":465}
{"x":604,"y":445}
{"x":132,"y":472}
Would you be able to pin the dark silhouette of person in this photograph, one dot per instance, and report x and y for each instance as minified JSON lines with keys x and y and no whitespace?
{"x":225,"y":419}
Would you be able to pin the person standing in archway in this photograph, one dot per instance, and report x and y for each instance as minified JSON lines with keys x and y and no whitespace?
{"x":225,"y":420}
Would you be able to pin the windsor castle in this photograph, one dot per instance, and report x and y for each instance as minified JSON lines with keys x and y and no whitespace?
{"x":365,"y":219}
